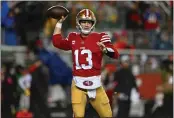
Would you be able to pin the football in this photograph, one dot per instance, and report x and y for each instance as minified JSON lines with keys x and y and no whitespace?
{"x":57,"y":12}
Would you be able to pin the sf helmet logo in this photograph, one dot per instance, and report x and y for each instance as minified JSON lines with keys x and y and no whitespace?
{"x":88,"y":83}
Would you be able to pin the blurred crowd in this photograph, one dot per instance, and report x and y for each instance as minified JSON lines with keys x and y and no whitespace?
{"x":33,"y":88}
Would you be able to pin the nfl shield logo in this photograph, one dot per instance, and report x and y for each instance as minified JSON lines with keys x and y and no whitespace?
{"x":73,"y":42}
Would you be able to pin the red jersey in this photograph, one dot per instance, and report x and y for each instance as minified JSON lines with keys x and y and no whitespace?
{"x":86,"y":54}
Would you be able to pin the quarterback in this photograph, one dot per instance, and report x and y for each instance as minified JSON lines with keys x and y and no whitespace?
{"x":87,"y":49}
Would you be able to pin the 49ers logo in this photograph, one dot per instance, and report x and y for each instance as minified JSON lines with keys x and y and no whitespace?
{"x":88,"y":83}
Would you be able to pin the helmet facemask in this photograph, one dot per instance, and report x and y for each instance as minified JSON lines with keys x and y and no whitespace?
{"x":85,"y":15}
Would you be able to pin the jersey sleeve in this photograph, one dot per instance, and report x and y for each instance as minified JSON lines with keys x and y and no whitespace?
{"x":62,"y":43}
{"x":111,"y":50}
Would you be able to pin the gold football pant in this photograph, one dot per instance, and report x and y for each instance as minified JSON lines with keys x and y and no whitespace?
{"x":100,"y":103}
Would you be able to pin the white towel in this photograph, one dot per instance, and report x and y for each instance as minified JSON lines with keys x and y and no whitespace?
{"x":92,"y":93}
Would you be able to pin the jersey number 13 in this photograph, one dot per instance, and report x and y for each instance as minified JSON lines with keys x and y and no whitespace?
{"x":88,"y":59}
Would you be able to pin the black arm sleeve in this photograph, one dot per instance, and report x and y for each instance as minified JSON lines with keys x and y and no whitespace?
{"x":109,"y":54}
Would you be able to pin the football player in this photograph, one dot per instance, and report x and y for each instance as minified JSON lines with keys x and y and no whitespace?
{"x":87,"y":51}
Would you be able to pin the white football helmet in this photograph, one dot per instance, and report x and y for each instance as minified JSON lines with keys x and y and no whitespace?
{"x":85,"y":14}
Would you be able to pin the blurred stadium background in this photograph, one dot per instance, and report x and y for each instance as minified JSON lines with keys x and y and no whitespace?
{"x":142,"y":30}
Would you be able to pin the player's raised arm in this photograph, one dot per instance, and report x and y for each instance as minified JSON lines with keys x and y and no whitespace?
{"x":57,"y":39}
{"x":60,"y":13}
{"x":58,"y":26}
{"x":107,"y":47}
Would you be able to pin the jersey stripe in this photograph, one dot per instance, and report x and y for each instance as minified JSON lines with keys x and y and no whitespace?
{"x":106,"y":41}
{"x":105,"y":36}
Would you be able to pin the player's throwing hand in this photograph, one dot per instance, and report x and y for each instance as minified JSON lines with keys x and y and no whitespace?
{"x":62,"y":19}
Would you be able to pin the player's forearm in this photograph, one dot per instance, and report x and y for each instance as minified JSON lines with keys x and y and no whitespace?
{"x":58,"y":28}
{"x":116,"y":54}
{"x":111,"y":52}
{"x":57,"y":35}
{"x":107,"y":47}
{"x":57,"y":38}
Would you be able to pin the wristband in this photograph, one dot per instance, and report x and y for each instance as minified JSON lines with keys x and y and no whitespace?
{"x":109,"y":53}
{"x":59,"y":25}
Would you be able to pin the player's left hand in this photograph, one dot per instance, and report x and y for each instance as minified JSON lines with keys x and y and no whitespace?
{"x":102,"y":46}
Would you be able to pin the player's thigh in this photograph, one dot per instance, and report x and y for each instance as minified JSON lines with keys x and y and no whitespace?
{"x":101,"y":103}
{"x":78,"y":101}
